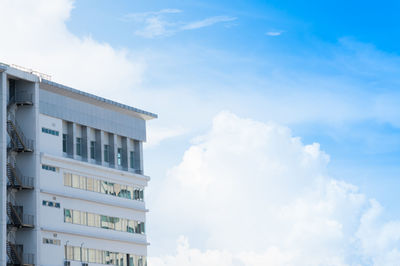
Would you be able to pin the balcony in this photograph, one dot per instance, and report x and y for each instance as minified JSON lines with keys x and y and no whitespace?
{"x":21,"y":99}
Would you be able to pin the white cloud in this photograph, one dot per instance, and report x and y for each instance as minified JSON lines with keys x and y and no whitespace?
{"x":36,"y":37}
{"x":249,"y":193}
{"x":154,"y":24}
{"x":274,"y":33}
{"x":207,"y":22}
{"x":156,"y":134}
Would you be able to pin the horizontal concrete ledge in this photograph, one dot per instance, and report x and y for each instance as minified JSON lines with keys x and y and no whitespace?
{"x":104,"y":169}
{"x":113,"y":201}
{"x":93,"y":235}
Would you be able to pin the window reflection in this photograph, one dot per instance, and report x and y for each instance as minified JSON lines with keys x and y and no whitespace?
{"x":104,"y":187}
{"x":103,"y":221}
{"x":90,"y":255}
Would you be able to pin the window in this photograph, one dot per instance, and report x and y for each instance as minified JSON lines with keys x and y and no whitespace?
{"x":50,"y":131}
{"x":68,"y":179}
{"x":51,"y":241}
{"x":76,"y":217}
{"x":103,"y":221}
{"x":119,"y":156}
{"x":131,"y":159}
{"x":67,"y":216}
{"x":75,"y":181}
{"x":49,"y":168}
{"x":92,"y":149}
{"x":107,"y":153}
{"x":104,"y":187}
{"x":79,"y":146}
{"x":89,"y":184}
{"x":65,"y":142}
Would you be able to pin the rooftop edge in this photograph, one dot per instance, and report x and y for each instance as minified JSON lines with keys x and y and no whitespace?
{"x":146,"y":115}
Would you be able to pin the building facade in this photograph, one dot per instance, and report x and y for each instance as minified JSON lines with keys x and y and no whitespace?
{"x":72,"y":186}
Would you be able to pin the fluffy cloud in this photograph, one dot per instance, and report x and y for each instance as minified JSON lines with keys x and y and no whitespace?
{"x":35,"y":36}
{"x":256,"y":195}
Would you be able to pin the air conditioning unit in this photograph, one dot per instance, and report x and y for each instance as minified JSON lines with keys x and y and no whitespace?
{"x":67,"y":263}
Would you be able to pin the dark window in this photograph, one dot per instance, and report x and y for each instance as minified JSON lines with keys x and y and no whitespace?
{"x":50,"y":131}
{"x":79,"y":146}
{"x":119,"y":155}
{"x":64,"y":142}
{"x":107,"y":153}
{"x":92,"y":149}
{"x":131,"y":159}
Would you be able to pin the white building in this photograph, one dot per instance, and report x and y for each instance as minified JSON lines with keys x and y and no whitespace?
{"x":72,"y":186}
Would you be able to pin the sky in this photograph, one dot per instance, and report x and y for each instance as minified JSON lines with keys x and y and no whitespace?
{"x":278,"y":138}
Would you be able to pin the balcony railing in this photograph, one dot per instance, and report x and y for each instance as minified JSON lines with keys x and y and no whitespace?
{"x":21,"y":99}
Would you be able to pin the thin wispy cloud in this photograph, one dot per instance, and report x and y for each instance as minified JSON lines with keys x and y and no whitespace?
{"x":155,"y":24}
{"x":274,"y":33}
{"x":142,"y":15}
{"x":207,"y":22}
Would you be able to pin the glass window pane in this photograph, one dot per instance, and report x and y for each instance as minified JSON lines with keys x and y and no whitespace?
{"x":131,"y":226}
{"x":67,"y":216}
{"x":82,"y":184}
{"x":90,"y":218}
{"x":90,"y":185}
{"x":70,"y":252}
{"x":92,"y":256}
{"x":97,"y":220}
{"x":67,"y":179}
{"x":104,"y":187}
{"x":77,"y":253}
{"x":75,"y":181}
{"x":76,"y":216}
{"x":96,"y":185}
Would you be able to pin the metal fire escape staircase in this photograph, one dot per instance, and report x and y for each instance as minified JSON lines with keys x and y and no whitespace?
{"x":16,"y":256}
{"x":16,"y":180}
{"x":19,"y":142}
{"x":17,"y":218}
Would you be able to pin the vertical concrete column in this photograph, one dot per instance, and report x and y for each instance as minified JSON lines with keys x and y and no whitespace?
{"x":140,"y":152}
{"x":74,"y":134}
{"x":102,"y":147}
{"x":3,"y":159}
{"x":36,"y":158}
{"x":98,"y":148}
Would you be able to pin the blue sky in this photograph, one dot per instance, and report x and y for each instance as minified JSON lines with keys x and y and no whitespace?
{"x":327,"y":71}
{"x":350,"y":45}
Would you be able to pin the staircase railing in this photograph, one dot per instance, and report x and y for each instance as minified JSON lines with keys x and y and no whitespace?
{"x":14,"y":253}
{"x":17,"y":179}
{"x":16,"y":215}
{"x":20,"y":142}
